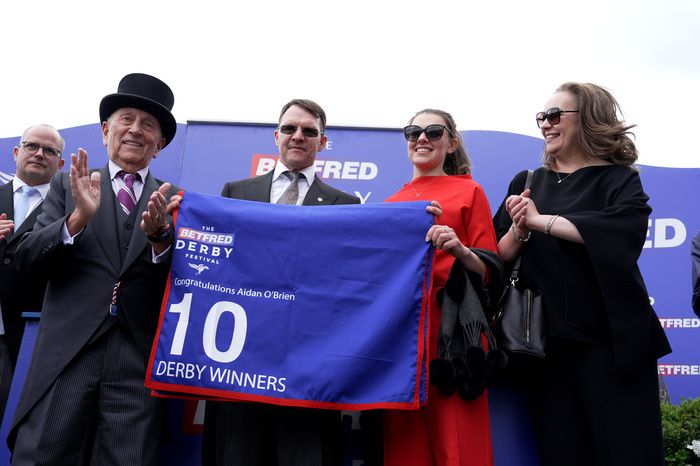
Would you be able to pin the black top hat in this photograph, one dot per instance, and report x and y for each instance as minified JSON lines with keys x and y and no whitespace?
{"x":146,"y":93}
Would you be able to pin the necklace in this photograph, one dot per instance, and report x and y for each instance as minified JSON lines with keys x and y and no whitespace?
{"x":560,"y":179}
{"x":418,"y":194}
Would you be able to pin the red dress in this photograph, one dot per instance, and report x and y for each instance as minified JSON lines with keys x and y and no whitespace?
{"x":448,"y":430}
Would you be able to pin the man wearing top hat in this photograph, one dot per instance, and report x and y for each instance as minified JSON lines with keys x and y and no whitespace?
{"x":103,"y":240}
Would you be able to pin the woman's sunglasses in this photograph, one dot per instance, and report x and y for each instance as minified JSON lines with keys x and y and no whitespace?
{"x":432,"y":132}
{"x":552,"y":115}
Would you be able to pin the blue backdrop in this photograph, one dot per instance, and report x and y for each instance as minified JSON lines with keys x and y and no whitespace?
{"x":372,"y":164}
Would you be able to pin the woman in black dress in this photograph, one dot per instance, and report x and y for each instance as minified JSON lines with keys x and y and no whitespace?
{"x":580,"y":229}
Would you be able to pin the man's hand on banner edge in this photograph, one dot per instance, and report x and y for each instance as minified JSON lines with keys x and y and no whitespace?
{"x":174,"y":203}
{"x":154,"y":220}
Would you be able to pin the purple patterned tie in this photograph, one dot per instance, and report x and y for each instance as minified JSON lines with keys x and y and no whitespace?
{"x":126,"y":195}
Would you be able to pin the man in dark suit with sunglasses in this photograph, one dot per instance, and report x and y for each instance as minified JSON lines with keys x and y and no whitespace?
{"x":38,"y":158}
{"x":266,"y":435}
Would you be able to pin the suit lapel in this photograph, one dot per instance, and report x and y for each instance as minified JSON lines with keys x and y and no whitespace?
{"x":317,"y":194}
{"x":138,"y":238}
{"x":28,"y":222}
{"x":259,"y":188}
{"x":7,"y":205}
{"x":104,"y":222}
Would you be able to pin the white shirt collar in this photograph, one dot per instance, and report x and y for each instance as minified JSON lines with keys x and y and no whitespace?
{"x":309,"y":172}
{"x":42,"y":188}
{"x":114,"y":169}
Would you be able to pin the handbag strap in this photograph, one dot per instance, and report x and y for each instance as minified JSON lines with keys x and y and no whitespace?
{"x":516,"y":264}
{"x":528,"y":180}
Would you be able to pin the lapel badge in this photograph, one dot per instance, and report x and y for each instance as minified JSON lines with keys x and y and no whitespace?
{"x":319,"y":199}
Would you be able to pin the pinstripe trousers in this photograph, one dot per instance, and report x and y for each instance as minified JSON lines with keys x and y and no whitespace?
{"x":6,"y":372}
{"x":98,"y":411}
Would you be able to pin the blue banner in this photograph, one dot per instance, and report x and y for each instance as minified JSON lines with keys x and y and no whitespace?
{"x":320,"y":307}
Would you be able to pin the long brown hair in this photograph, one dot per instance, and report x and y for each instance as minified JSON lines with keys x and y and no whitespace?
{"x":603,"y":134}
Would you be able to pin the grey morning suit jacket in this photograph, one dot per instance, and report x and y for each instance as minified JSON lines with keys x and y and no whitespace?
{"x":81,"y":278}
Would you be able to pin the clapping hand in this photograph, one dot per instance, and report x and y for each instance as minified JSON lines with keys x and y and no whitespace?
{"x":85,"y":187}
{"x":6,"y":226}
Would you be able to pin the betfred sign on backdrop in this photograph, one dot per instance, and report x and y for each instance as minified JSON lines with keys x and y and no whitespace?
{"x":325,"y":168}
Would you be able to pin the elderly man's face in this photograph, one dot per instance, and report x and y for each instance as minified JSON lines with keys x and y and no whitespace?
{"x":132,"y":138}
{"x":36,"y":165}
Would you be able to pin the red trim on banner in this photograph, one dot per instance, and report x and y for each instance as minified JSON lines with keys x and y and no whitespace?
{"x":164,"y":305}
{"x":165,"y":390}
{"x":424,"y":337}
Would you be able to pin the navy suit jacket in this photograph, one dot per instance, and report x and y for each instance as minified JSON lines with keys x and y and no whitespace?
{"x":17,"y":294}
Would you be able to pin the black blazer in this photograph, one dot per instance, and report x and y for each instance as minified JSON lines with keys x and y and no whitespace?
{"x":17,"y":295}
{"x":258,"y":189}
{"x":81,"y":278}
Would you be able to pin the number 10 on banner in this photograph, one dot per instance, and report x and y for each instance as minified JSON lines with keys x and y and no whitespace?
{"x":211,"y":326}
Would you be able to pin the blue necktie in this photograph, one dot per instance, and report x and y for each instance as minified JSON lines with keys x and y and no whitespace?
{"x":22,"y":206}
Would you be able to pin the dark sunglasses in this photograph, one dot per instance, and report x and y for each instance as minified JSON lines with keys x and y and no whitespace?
{"x":32,"y":148}
{"x":432,"y":132}
{"x":552,"y":115}
{"x":306,"y":131}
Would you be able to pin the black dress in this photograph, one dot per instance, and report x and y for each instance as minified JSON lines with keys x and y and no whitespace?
{"x":600,"y":382}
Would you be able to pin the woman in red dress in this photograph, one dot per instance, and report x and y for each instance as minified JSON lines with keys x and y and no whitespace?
{"x":448,"y":430}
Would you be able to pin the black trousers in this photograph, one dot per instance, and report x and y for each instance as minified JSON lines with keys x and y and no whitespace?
{"x":6,"y":372}
{"x":587,"y":414}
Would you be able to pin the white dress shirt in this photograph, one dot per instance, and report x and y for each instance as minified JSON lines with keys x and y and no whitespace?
{"x":35,"y":199}
{"x":280,"y":182}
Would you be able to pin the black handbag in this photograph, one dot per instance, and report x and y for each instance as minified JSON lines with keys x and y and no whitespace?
{"x":520,"y":323}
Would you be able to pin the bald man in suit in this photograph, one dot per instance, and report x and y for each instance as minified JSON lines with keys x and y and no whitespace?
{"x":38,"y":156}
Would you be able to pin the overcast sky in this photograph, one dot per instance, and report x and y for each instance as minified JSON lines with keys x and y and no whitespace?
{"x":368,"y":63}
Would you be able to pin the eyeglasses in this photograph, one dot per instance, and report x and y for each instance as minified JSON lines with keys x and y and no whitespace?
{"x":432,"y":132}
{"x":306,"y":131}
{"x":32,"y":148}
{"x":552,"y":115}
